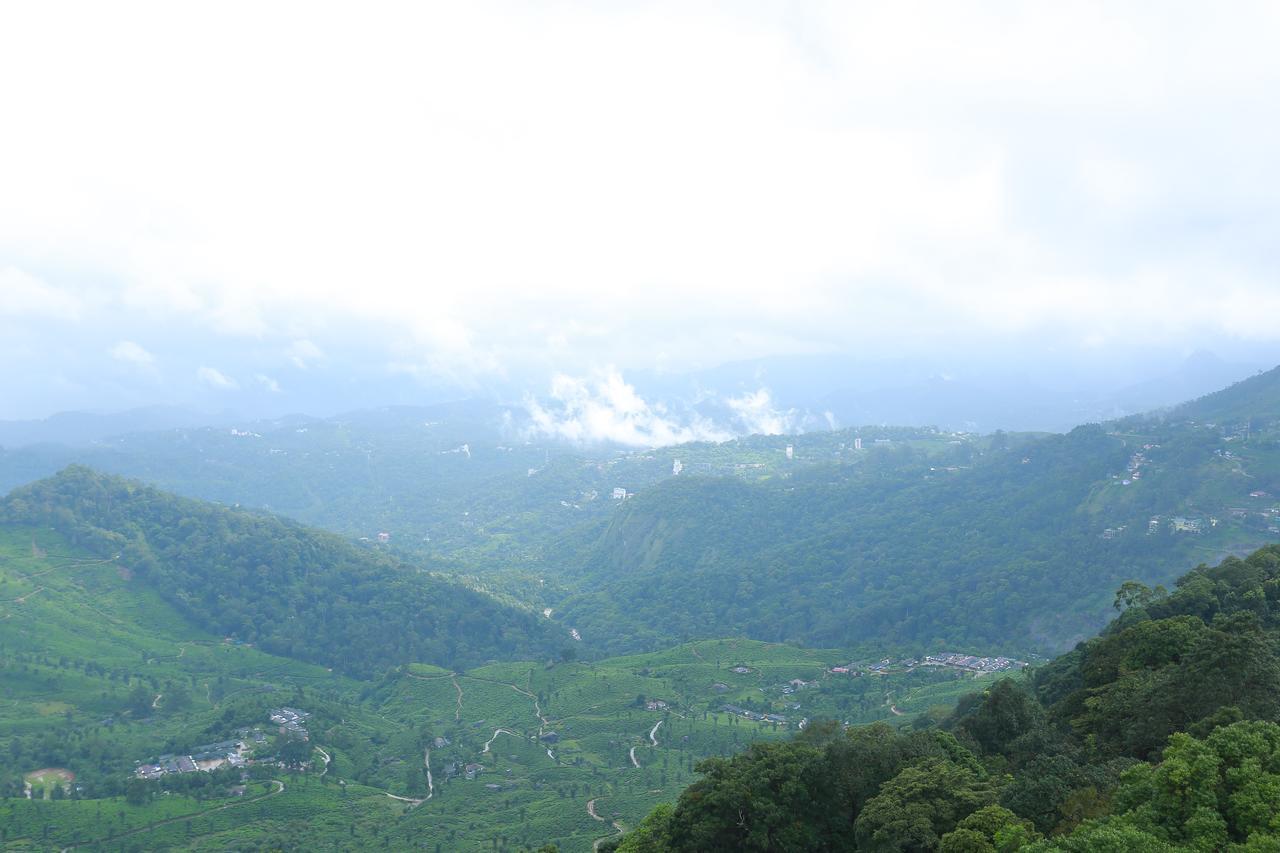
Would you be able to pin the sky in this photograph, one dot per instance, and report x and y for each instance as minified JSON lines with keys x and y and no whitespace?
{"x":316,"y":205}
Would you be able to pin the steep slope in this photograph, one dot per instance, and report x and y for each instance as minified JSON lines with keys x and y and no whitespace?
{"x":287,"y":589}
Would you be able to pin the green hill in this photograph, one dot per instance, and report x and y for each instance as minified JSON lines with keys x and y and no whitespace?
{"x":1160,"y":735}
{"x":1012,"y":547}
{"x":288,"y":590}
{"x":102,"y":668}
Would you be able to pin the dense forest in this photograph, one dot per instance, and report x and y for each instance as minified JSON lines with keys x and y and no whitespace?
{"x":1160,"y":734}
{"x":273,"y":583}
{"x":1011,"y":549}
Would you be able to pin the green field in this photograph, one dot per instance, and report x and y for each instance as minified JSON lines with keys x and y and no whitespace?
{"x":99,"y":673}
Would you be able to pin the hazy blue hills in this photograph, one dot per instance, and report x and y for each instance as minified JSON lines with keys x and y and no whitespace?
{"x":1254,"y":399}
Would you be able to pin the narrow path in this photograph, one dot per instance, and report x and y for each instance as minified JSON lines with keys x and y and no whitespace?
{"x":22,"y":599}
{"x":537,"y":709}
{"x":543,"y":722}
{"x":894,"y":710}
{"x":617,"y":827}
{"x":155,"y":703}
{"x":497,"y":732}
{"x":326,"y":758}
{"x":653,"y":742}
{"x":457,"y":713}
{"x":426,"y":760}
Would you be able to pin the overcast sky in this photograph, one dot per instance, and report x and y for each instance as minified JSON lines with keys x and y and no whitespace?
{"x":240,"y":198}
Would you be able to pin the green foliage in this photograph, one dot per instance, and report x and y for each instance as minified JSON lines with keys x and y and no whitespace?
{"x":286,"y":589}
{"x":653,"y":835}
{"x":1207,"y":792}
{"x":1204,"y":658}
{"x":1170,"y":670}
{"x":991,"y":829}
{"x":920,"y":805}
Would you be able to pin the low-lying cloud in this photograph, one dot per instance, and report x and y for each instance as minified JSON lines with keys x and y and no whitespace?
{"x":605,"y":408}
{"x":756,"y":414}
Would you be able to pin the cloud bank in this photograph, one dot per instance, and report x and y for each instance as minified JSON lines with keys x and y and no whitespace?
{"x":658,"y":186}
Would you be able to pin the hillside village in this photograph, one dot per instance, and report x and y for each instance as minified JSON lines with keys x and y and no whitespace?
{"x":248,"y":747}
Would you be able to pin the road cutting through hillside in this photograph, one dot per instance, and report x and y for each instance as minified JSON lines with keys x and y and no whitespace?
{"x":497,"y":732}
{"x":618,"y":830}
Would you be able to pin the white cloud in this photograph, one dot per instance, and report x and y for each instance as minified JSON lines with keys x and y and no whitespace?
{"x":132,"y":353}
{"x":605,"y":408}
{"x":267,"y":382}
{"x":661,"y":185}
{"x":757,"y":415}
{"x":24,"y":295}
{"x":215,"y":378}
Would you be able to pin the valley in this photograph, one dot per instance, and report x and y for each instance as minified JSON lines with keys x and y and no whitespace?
{"x":189,"y":675}
{"x":100,"y":675}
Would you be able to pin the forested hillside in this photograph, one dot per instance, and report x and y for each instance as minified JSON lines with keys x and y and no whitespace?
{"x":286,"y":589}
{"x":1010,"y":545}
{"x":1158,"y":735}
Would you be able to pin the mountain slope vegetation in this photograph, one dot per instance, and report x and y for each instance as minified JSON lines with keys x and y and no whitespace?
{"x":286,"y":589}
{"x":1159,"y":735}
{"x":1014,"y":547}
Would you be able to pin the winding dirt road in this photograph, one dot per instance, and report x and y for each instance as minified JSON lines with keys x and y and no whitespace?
{"x":618,"y":830}
{"x":457,"y":713}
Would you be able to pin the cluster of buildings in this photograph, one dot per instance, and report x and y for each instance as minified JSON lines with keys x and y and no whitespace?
{"x":755,"y":716}
{"x":236,"y":752}
{"x":1113,"y":532}
{"x":1180,"y":524}
{"x":953,"y":660}
{"x":972,"y":663}
{"x":291,"y":722}
{"x":204,"y":758}
{"x":1134,"y":470}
